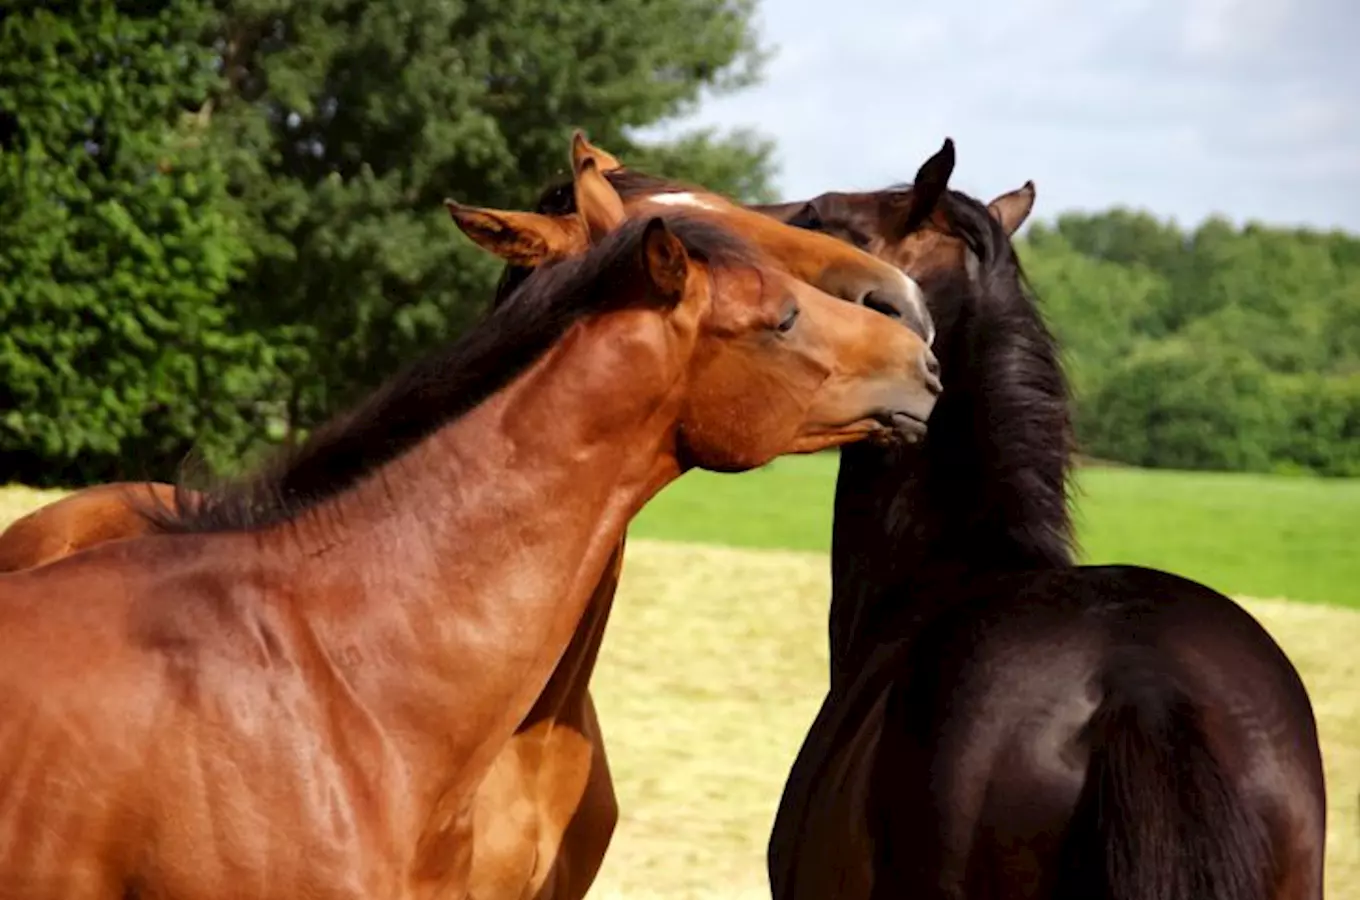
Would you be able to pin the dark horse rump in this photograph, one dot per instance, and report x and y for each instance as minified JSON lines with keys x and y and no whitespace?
{"x":1000,"y":722}
{"x":1075,"y":733}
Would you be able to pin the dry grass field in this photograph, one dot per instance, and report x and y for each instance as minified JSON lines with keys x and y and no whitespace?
{"x":713,"y":667}
{"x":15,"y":500}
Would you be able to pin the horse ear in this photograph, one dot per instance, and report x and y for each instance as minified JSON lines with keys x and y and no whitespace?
{"x":597,"y":203}
{"x":1013,"y":208}
{"x":519,"y":238}
{"x":931,"y":181}
{"x":664,"y":260}
{"x":582,"y":149}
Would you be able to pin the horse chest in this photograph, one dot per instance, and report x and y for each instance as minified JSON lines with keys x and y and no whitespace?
{"x":836,"y":835}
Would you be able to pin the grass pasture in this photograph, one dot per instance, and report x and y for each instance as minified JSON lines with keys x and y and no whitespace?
{"x":1260,"y":535}
{"x":715,"y":659}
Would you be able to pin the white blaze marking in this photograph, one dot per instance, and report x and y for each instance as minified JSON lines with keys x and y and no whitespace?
{"x":681,"y":198}
{"x":918,"y":299}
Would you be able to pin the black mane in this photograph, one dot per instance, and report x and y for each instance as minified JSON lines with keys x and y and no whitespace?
{"x":1003,"y":436}
{"x":444,"y":385}
{"x":987,"y":490}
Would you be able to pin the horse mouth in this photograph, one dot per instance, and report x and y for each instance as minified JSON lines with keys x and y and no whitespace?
{"x":899,"y":427}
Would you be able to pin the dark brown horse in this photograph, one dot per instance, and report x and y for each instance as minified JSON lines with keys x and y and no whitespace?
{"x":1000,"y":722}
{"x":296,"y":688}
{"x":546,"y":809}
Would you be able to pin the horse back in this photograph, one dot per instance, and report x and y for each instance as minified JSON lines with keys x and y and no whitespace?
{"x":984,"y":739}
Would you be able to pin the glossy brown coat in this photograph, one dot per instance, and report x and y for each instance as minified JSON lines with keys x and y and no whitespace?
{"x":555,"y":773}
{"x":546,"y":810}
{"x":301,"y":699}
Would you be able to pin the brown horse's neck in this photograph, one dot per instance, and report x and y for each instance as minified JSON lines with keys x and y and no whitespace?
{"x":451,"y":580}
{"x":566,"y":690}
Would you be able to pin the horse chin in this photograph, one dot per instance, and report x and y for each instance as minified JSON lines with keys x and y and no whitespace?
{"x":838,"y":436}
{"x":898,"y":428}
{"x":886,"y":429}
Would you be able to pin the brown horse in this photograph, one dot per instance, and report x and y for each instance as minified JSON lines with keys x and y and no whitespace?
{"x":297,"y":688}
{"x":554,"y":774}
{"x":555,"y":231}
{"x":1000,"y":722}
{"x":546,"y":810}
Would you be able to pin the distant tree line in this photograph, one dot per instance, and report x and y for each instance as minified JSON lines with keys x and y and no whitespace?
{"x":1222,"y":348}
{"x":220,"y":220}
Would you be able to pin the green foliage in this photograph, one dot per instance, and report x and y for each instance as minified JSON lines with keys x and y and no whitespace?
{"x":118,"y":240}
{"x":1183,"y":405}
{"x":1323,"y":429}
{"x":221,"y":219}
{"x":1097,"y":309}
{"x":737,"y":165}
{"x":1227,"y":348}
{"x":356,"y":119}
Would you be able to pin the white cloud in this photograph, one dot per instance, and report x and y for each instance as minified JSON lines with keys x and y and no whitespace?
{"x":1248,"y":108}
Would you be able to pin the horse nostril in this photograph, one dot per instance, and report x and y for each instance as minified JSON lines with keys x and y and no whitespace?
{"x":891,"y":307}
{"x":903,"y":310}
{"x":932,"y":373}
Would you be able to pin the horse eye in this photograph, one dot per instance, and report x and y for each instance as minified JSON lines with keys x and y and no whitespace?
{"x":786,"y":324}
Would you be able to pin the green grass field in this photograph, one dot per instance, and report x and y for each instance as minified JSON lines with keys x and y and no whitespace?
{"x":1266,"y":536}
{"x":715,"y":659}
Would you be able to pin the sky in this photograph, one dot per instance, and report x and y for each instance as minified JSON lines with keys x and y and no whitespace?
{"x":1249,"y":109}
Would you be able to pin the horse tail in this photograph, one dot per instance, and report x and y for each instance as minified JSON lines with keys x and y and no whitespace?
{"x":1157,"y":818}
